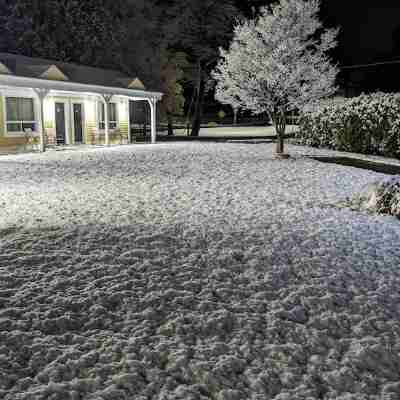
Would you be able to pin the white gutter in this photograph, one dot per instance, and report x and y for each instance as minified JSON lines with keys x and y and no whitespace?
{"x":20,"y":81}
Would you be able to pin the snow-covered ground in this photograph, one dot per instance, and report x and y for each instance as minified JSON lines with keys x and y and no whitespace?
{"x":251,"y":131}
{"x":194,"y":271}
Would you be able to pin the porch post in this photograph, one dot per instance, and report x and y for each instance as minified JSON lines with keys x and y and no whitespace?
{"x":153,"y":108}
{"x":107,"y":99}
{"x":129,"y":122}
{"x":42,"y":93}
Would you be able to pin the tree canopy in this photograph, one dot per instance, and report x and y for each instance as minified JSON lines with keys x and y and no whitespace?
{"x":278,"y":62}
{"x":199,"y":28}
{"x":89,"y":32}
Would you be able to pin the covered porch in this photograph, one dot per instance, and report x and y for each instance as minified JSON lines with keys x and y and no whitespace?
{"x":55,"y":113}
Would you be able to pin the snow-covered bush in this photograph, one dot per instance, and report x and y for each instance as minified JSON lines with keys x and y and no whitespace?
{"x":381,"y":197}
{"x":368,"y":124}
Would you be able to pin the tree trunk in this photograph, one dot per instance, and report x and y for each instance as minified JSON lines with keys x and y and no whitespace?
{"x":280,"y":144}
{"x":188,"y":115}
{"x":198,"y":110}
{"x":198,"y":113}
{"x":235,"y":115}
{"x":279,"y":120}
{"x":170,"y":125}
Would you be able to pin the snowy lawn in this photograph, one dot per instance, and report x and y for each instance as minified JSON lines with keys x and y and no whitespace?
{"x":194,"y":271}
{"x":251,"y":131}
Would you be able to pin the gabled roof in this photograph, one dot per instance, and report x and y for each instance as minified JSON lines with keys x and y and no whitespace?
{"x":29,"y":67}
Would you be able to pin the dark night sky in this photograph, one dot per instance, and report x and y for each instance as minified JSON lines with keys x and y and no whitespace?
{"x":366,"y":28}
{"x":366,"y":36}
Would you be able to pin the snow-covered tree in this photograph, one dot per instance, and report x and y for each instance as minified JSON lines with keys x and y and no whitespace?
{"x":227,"y":95}
{"x":279,"y":62}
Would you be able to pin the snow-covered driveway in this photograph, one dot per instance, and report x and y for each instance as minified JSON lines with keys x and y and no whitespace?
{"x":194,"y":271}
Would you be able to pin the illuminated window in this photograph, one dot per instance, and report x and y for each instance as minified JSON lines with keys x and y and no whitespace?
{"x":20,"y":115}
{"x":112,"y":116}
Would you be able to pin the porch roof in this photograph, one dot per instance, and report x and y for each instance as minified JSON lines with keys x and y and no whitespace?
{"x":21,"y":71}
{"x":68,"y":86}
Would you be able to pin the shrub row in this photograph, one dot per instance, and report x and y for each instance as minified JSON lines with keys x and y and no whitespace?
{"x":368,"y":124}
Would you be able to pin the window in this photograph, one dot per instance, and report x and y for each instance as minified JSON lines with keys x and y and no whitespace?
{"x":112,"y":116}
{"x":20,"y":114}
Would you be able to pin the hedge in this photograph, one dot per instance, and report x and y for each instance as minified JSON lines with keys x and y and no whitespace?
{"x":368,"y":124}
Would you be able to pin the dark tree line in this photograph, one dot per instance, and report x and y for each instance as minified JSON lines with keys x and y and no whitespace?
{"x":89,"y":32}
{"x":168,"y":43}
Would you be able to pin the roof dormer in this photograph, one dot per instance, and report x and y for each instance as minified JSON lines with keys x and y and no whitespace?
{"x":131,"y":83}
{"x":51,"y":72}
{"x":136,"y":84}
{"x":4,"y":69}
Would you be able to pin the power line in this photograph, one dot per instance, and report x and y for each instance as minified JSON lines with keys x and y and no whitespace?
{"x":370,"y":65}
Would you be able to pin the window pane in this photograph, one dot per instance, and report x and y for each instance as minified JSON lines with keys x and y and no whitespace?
{"x":112,"y":125}
{"x":113,"y":112}
{"x":101,"y":112}
{"x":102,"y":125}
{"x":26,"y":110}
{"x":20,"y":109}
{"x":12,"y":109}
{"x":29,"y":126}
{"x":101,"y":115}
{"x":14,"y":127}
